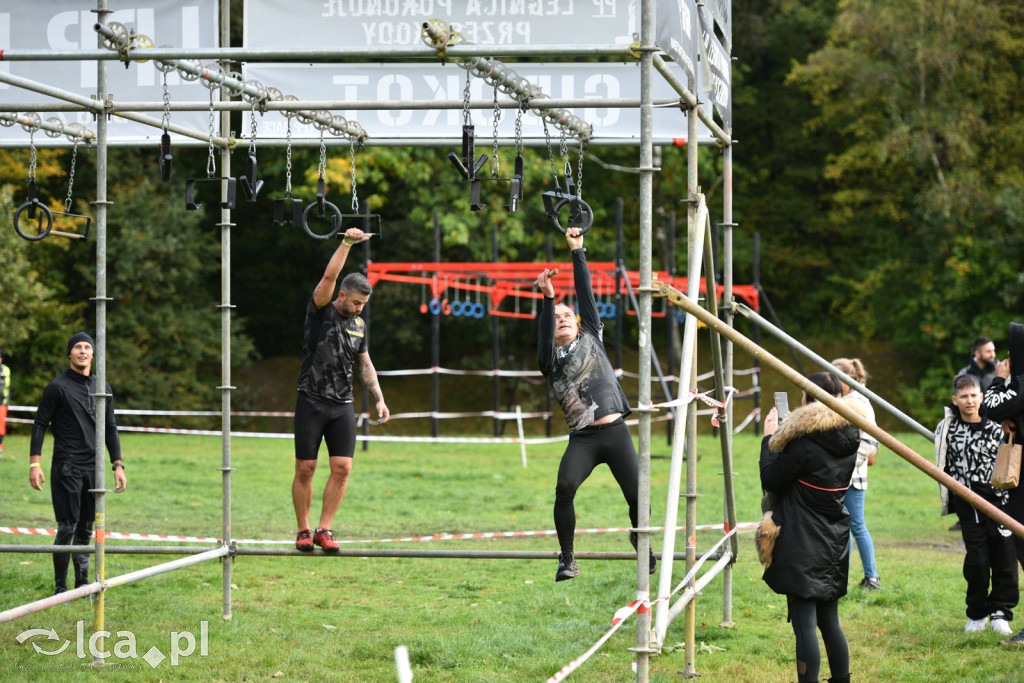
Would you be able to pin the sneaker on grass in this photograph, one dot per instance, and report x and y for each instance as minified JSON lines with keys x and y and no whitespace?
{"x":304,"y":541}
{"x":976,"y":625}
{"x":325,"y":539}
{"x":567,"y":567}
{"x":997,"y":622}
{"x":871,"y":583}
{"x":1016,"y":641}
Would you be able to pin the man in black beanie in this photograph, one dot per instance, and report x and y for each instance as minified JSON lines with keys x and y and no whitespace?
{"x":68,"y":408}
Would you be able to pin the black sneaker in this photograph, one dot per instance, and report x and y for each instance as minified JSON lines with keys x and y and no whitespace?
{"x":1015,"y":641}
{"x":567,"y":568}
{"x":871,"y":583}
{"x":60,"y":589}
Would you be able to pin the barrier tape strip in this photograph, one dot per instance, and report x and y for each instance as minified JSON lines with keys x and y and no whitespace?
{"x":618,"y":620}
{"x":641,"y":604}
{"x":408,"y":539}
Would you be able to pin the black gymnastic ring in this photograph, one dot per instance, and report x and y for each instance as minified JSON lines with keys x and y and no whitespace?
{"x":336,"y":220}
{"x":43,"y":232}
{"x":588,"y":216}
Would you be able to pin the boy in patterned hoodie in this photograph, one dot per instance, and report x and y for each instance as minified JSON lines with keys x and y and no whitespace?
{"x":966,"y":445}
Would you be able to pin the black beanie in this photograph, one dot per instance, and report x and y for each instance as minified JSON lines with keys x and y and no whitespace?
{"x":79,"y":337}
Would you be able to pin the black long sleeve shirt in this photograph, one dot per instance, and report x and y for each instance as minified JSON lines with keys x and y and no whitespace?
{"x":68,"y":408}
{"x":580,"y":373}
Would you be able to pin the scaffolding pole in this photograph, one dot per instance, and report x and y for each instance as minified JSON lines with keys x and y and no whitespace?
{"x":101,"y":300}
{"x":644,"y":649}
{"x":792,"y":343}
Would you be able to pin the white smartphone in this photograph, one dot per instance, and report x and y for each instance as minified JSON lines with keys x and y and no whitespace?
{"x":782,"y":404}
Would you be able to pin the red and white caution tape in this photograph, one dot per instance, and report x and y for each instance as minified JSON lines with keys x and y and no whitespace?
{"x":620,"y":617}
{"x":407,"y":539}
{"x":640,"y":605}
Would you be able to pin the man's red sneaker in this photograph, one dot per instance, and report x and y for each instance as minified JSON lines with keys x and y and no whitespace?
{"x":304,"y":541}
{"x":325,"y":539}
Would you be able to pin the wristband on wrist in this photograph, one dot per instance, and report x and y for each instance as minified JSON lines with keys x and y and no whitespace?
{"x":347,"y":243}
{"x":34,"y":464}
{"x":117,"y":464}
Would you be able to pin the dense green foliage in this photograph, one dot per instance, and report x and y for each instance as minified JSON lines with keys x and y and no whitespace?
{"x":877,"y":159}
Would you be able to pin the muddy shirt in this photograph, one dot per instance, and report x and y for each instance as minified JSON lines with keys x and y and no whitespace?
{"x":580,"y":374}
{"x":330,"y":344}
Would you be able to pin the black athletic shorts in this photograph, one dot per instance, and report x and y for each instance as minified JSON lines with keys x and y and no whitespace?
{"x":317,"y":421}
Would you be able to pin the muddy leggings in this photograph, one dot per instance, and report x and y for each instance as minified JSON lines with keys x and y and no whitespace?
{"x":806,"y":615}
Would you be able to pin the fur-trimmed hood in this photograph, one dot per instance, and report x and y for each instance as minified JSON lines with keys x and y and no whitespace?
{"x":810,"y":419}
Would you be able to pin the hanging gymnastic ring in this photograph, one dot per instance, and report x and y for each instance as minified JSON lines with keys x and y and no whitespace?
{"x":479,"y":310}
{"x":586,"y":217}
{"x":446,"y":307}
{"x":435,"y":306}
{"x":335,"y":220}
{"x":611,"y":309}
{"x":43,"y":232}
{"x":457,"y":308}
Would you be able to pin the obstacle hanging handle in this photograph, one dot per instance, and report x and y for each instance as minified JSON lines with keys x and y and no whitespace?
{"x":580,"y":214}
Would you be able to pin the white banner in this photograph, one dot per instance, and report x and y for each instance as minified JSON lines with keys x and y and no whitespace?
{"x":68,"y":25}
{"x":382,"y":23}
{"x":405,"y":82}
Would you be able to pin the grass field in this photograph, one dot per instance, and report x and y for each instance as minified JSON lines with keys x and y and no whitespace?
{"x":340,"y":619}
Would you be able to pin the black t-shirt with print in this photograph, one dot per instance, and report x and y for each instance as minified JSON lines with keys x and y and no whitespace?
{"x":330,"y":344}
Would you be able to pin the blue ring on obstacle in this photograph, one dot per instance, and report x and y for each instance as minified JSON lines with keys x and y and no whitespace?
{"x":479,"y":310}
{"x":435,"y":306}
{"x":457,"y":308}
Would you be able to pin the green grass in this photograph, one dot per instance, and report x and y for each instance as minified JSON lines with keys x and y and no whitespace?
{"x":339,"y":619}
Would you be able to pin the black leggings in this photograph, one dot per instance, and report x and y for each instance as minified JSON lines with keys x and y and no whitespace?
{"x":74,"y":507}
{"x":611,"y":444}
{"x":806,"y":615}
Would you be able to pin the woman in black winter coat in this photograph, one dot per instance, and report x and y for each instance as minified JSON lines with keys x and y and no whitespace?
{"x":807,"y":463}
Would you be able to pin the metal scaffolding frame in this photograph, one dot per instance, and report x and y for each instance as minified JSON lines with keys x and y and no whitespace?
{"x":480,"y":61}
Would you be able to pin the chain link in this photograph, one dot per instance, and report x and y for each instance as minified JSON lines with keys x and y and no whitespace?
{"x":71,"y":178}
{"x":352,"y":165}
{"x":519,"y":128}
{"x":579,"y":169}
{"x":495,"y":162}
{"x":252,"y":129}
{"x":167,"y":105}
{"x":467,"y":117}
{"x":551,"y":154}
{"x":32,"y":155}
{"x":288,"y":160}
{"x":211,"y":162}
{"x":321,"y":168}
{"x":563,"y":148}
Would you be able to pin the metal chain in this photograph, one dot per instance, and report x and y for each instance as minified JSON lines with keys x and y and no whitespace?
{"x":32,"y":155}
{"x":71,"y":178}
{"x":495,"y":163}
{"x":563,"y":148}
{"x":211,"y":163}
{"x":288,"y":160}
{"x":321,"y":168}
{"x":579,"y":169}
{"x":352,"y":159}
{"x":519,"y":128}
{"x":167,"y":105}
{"x":551,"y":154}
{"x":467,"y":117}
{"x":252,"y":130}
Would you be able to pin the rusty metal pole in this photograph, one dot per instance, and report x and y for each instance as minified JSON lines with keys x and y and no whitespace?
{"x":841,"y":407}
